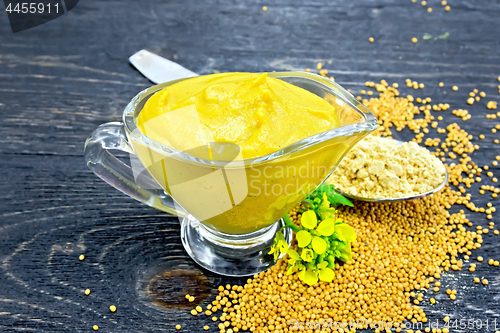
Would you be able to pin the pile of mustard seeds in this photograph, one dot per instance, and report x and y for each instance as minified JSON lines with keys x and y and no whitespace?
{"x":402,"y":248}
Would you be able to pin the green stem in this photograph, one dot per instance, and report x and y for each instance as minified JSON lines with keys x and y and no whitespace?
{"x":289,"y":223}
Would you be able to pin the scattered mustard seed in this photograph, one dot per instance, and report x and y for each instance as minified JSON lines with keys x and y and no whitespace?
{"x":194,"y":312}
{"x":485,"y":282}
{"x":206,"y":327}
{"x":455,"y":88}
{"x":414,"y":39}
{"x":81,"y":257}
{"x":264,"y":8}
{"x":441,"y":84}
{"x":476,"y":279}
{"x":447,"y":8}
{"x":95,"y":327}
{"x":112,"y":308}
{"x":429,"y":10}
{"x":178,"y":327}
{"x":87,"y":292}
{"x":371,"y":39}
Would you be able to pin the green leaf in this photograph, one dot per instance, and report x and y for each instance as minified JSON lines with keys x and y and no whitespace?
{"x":293,"y":255}
{"x":307,"y":255}
{"x":303,"y":238}
{"x":326,"y":228}
{"x":309,"y":219}
{"x":346,"y":232}
{"x":332,"y":194}
{"x":309,"y":277}
{"x":318,"y":245}
{"x":326,"y":274}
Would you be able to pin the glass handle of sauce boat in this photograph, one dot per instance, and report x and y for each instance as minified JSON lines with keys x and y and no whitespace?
{"x":108,"y":167}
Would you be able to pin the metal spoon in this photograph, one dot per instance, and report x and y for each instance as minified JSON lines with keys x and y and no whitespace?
{"x":417,"y":196}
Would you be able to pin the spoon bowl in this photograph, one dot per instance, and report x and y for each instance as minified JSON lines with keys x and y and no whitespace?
{"x":416,"y":196}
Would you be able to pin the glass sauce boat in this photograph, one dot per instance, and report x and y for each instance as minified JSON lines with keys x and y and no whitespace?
{"x":229,"y":208}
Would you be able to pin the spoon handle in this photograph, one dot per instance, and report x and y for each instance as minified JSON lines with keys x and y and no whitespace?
{"x":158,"y":69}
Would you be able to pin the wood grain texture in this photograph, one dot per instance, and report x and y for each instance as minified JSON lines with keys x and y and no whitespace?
{"x":59,"y":81}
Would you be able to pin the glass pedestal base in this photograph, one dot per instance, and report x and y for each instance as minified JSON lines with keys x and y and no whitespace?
{"x":230,"y":255}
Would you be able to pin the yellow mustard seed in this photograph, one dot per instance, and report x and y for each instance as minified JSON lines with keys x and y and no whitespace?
{"x":414,"y":39}
{"x":432,"y":300}
{"x":87,"y":292}
{"x":443,"y":3}
{"x":95,"y":327}
{"x":194,"y":312}
{"x":112,"y":308}
{"x":480,"y":259}
{"x":441,"y":84}
{"x":264,"y":8}
{"x":485,"y":282}
{"x":191,"y":299}
{"x":371,"y":39}
{"x":318,"y":67}
{"x":206,"y":327}
{"x":455,"y":88}
{"x":199,"y":309}
{"x":446,"y":319}
{"x":178,"y":327}
{"x":81,"y":257}
{"x":429,"y":10}
{"x":424,"y":3}
{"x":447,"y":8}
{"x":476,"y":279}
{"x":453,"y":297}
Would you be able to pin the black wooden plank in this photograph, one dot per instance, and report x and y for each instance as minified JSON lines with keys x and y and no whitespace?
{"x":61,"y":80}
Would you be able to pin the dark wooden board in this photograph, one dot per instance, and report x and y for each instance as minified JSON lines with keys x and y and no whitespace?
{"x":60,"y":80}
